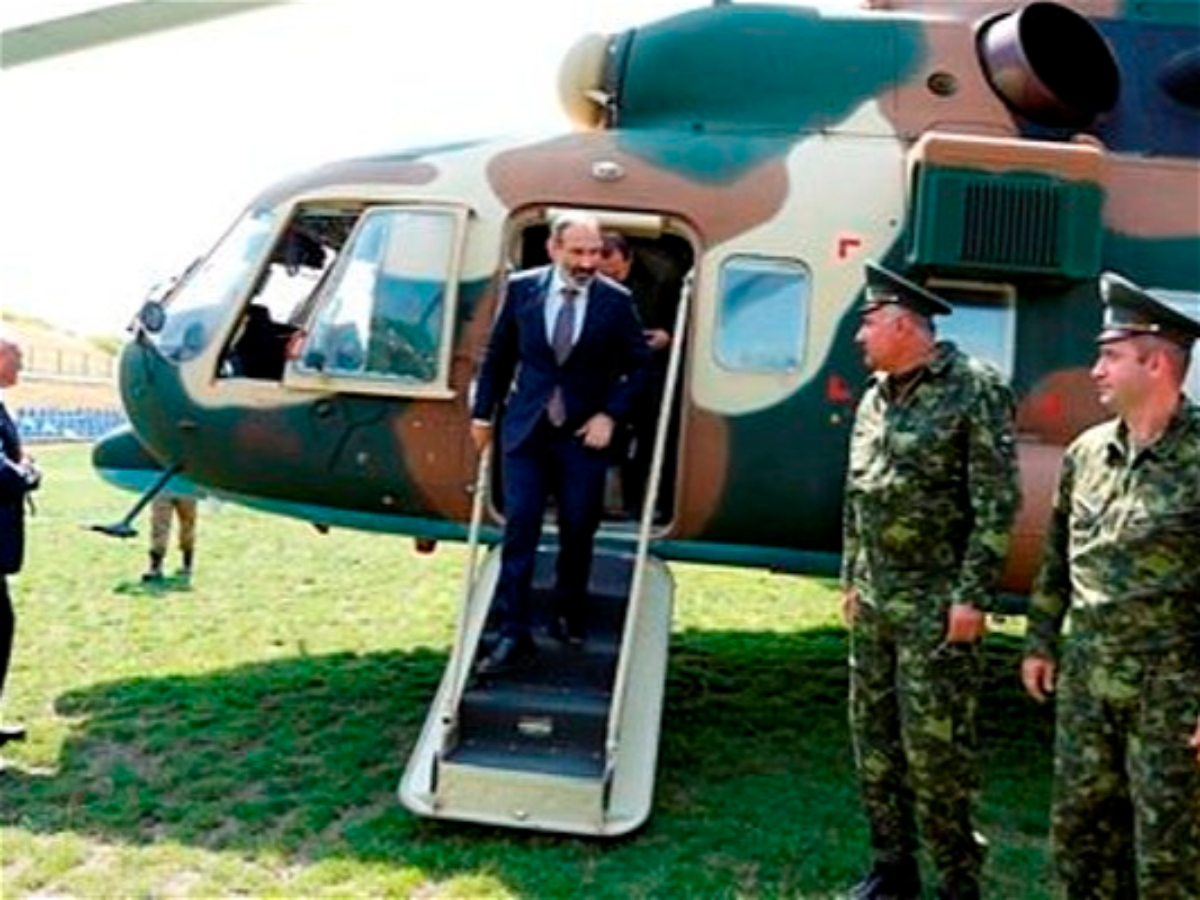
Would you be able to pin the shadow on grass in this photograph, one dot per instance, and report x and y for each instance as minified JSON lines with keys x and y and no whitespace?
{"x":299,"y":759}
{"x":140,"y":587}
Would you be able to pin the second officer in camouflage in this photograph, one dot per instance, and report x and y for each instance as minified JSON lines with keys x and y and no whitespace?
{"x":1123,"y":560}
{"x":931,"y":494}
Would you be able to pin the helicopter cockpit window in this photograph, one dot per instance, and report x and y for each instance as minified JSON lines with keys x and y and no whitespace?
{"x":196,"y":307}
{"x":282,"y":293}
{"x":382,"y":314}
{"x":762,"y":314}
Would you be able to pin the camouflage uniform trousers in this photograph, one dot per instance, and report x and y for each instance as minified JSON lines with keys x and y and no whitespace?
{"x":160,"y":523}
{"x":1126,"y":811}
{"x":912,"y":714}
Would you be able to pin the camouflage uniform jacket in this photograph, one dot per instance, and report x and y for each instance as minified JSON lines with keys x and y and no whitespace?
{"x":932,"y":487}
{"x":1123,"y":546}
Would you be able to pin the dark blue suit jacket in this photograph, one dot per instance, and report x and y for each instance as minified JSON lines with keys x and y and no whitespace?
{"x":13,"y":488}
{"x":604,"y":373}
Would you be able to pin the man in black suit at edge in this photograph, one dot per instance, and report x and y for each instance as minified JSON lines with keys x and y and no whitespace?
{"x":567,"y":357}
{"x":18,"y":476}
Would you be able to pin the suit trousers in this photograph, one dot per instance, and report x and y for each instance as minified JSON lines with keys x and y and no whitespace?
{"x":551,"y":462}
{"x":8,"y":626}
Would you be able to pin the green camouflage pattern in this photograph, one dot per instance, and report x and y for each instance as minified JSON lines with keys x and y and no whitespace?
{"x":1125,"y":819}
{"x":1123,"y":542}
{"x":913,"y":701}
{"x":931,"y":495}
{"x":932,"y":488}
{"x":1120,"y":575}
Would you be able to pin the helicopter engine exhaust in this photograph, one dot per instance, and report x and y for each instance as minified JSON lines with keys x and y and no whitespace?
{"x":1025,"y":59}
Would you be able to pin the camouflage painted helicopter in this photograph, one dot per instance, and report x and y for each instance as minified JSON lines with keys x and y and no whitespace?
{"x":317,"y":362}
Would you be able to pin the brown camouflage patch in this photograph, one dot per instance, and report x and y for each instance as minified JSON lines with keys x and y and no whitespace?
{"x":719,"y":210}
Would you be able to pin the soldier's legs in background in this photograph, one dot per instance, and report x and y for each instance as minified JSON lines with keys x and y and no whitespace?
{"x":1165,"y":779}
{"x":1091,"y":821}
{"x":160,"y":535}
{"x":878,"y":749}
{"x":939,"y":691}
{"x":185,"y":508}
{"x":160,"y":525}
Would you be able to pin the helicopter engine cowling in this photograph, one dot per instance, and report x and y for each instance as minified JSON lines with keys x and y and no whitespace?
{"x":1050,"y":64}
{"x":1180,"y":78}
{"x":581,"y":82}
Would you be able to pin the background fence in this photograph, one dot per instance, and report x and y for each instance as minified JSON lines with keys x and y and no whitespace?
{"x":66,"y":362}
{"x":50,"y":423}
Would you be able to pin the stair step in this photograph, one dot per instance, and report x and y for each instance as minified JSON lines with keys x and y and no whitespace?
{"x":591,"y":666}
{"x":523,"y":715}
{"x":508,"y":794}
{"x":550,"y":758}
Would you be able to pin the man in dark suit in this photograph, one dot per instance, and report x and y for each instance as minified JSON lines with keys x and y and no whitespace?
{"x":567,"y":358}
{"x":656,"y":299}
{"x":18,"y":476}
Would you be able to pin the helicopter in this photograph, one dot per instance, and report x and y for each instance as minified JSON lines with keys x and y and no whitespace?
{"x":317,"y":362}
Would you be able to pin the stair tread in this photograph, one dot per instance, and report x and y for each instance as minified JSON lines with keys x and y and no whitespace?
{"x":547,"y":759}
{"x":537,"y":698}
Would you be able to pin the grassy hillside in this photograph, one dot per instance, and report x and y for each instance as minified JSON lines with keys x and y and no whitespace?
{"x":61,"y":369}
{"x":246,"y":737}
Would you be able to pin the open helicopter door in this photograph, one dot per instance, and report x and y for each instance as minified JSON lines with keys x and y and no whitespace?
{"x":569,"y":743}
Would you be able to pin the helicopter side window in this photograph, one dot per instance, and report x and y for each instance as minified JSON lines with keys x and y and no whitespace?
{"x":762,"y":314}
{"x":382,"y":316}
{"x":984,"y":323}
{"x":1188,"y":303}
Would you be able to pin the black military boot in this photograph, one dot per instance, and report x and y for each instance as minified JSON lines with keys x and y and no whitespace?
{"x":185,"y":571}
{"x":155,"y":572}
{"x":889,"y":881}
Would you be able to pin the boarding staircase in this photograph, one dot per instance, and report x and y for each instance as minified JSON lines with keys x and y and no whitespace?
{"x":568,"y":743}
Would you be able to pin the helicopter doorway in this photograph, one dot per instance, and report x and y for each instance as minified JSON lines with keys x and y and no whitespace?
{"x":642,"y":252}
{"x":567,"y":739}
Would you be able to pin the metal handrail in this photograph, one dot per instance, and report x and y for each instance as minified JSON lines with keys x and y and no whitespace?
{"x":457,"y":668}
{"x":649,"y":504}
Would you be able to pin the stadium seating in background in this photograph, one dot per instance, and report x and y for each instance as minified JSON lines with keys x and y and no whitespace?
{"x":45,"y":423}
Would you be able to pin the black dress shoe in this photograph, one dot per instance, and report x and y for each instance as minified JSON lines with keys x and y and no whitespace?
{"x":566,"y":630}
{"x":889,"y":881}
{"x":509,"y":654}
{"x":11,"y":733}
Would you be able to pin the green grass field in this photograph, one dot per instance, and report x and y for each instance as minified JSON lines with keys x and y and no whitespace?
{"x":245,"y":737}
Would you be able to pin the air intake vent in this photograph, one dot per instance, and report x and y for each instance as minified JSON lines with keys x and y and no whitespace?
{"x":1013,"y":223}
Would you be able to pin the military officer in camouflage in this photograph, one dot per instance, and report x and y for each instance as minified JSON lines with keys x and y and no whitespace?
{"x":932,"y":491}
{"x":1122,"y":558}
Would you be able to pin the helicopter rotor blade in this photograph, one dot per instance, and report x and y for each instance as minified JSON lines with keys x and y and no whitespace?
{"x":108,"y":24}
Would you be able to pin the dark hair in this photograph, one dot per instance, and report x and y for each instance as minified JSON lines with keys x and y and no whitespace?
{"x":615,"y":241}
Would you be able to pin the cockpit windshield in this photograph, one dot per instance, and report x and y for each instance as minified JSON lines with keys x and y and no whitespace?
{"x":207,"y":291}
